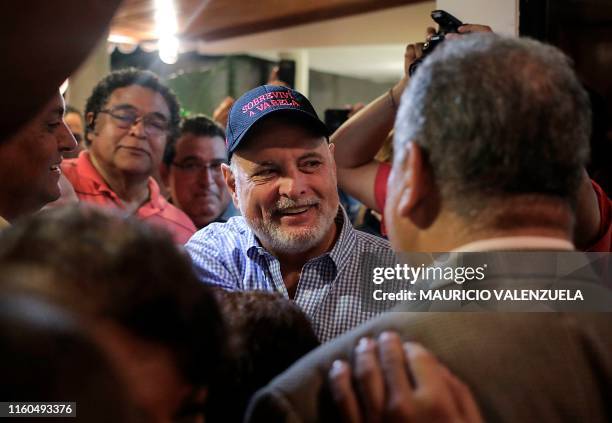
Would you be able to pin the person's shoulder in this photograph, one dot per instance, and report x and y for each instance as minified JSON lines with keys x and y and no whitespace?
{"x":70,"y":167}
{"x":69,"y":163}
{"x":225,"y":243}
{"x":175,"y":215}
{"x":231,"y":232}
{"x":81,"y":174}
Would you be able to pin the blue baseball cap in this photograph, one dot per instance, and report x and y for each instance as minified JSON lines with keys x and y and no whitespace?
{"x":263,"y":101}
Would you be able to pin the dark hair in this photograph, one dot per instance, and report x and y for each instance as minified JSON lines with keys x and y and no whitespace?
{"x":46,"y":354}
{"x":497,"y":117}
{"x":268,"y":333}
{"x":133,"y":274}
{"x":125,"y":78}
{"x":199,"y":125}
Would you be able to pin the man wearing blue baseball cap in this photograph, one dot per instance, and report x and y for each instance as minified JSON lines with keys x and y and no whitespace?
{"x":293,"y":236}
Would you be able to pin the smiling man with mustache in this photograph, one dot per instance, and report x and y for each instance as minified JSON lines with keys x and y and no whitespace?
{"x":293,"y":236}
{"x":130,"y":116}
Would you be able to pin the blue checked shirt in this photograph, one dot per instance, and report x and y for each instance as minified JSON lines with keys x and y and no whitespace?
{"x":331,"y":289}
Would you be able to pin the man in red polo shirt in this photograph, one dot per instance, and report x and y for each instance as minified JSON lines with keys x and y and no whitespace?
{"x":130,"y":116}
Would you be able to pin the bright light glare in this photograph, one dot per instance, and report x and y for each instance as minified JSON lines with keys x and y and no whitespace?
{"x":121,"y":39}
{"x":64,"y":87}
{"x":168,"y":49}
{"x":166,"y":28}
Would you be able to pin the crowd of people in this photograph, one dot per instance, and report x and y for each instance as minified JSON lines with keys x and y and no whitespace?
{"x":183,"y":269}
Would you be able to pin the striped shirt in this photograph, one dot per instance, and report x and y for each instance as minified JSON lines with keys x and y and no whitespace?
{"x":331,"y":287}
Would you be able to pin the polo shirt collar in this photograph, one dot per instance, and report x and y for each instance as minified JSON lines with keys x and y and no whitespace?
{"x":155,"y":204}
{"x":88,"y":170}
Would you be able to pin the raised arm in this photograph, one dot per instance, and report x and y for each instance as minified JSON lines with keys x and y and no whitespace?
{"x":360,"y":137}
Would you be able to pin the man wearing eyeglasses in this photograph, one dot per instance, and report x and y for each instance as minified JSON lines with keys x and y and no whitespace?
{"x":191,"y":169}
{"x":130,"y":116}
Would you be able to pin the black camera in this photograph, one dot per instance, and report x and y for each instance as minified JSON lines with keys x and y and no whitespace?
{"x":447,"y":23}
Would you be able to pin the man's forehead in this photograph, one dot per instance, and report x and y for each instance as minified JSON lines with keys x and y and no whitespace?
{"x":271,"y":139}
{"x":143,"y":99}
{"x":280,"y":152}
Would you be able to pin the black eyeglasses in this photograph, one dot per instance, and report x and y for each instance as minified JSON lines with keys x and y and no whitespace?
{"x":154,"y":124}
{"x":195,"y":166}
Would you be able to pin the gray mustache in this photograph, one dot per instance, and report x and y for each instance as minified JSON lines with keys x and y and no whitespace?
{"x":286,"y":203}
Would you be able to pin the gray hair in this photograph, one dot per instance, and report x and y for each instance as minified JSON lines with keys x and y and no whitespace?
{"x":497,"y":116}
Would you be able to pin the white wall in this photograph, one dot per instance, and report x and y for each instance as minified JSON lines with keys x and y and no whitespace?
{"x":96,"y":67}
{"x":501,"y":15}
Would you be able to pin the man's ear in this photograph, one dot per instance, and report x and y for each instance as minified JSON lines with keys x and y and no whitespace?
{"x":91,"y":126}
{"x":332,"y":152}
{"x":89,"y":121}
{"x":420,"y":200}
{"x":230,"y":182}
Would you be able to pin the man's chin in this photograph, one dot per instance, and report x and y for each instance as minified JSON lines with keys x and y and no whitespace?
{"x":297,"y":241}
{"x":134,"y":167}
{"x":49,"y":198}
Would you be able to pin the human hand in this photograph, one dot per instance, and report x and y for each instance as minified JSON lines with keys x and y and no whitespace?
{"x":412,"y":52}
{"x":222,"y":111}
{"x":384,"y":392}
{"x":273,"y":78}
{"x":467,"y":29}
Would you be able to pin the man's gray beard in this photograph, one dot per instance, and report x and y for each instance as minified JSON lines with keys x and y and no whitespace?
{"x":291,"y":243}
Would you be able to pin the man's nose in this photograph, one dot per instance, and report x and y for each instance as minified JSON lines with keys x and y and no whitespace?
{"x":293,"y":185}
{"x":65,"y":139}
{"x":206,"y":176}
{"x":138,"y":129}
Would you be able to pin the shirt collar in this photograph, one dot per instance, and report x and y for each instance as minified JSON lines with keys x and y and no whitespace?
{"x":155,"y":204}
{"x":87,"y":169}
{"x":517,"y":243}
{"x":254,"y":248}
{"x":230,"y":211}
{"x":343,"y":248}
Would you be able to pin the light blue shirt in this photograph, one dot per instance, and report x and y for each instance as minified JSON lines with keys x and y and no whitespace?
{"x":331,"y":287}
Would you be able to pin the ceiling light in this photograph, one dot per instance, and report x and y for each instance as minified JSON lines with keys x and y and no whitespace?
{"x":166,"y":28}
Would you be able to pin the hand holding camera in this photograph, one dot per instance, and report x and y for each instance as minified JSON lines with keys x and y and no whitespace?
{"x":449,"y":27}
{"x":447,"y":24}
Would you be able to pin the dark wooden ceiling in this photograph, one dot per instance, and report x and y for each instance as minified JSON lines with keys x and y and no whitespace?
{"x":217,"y":19}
